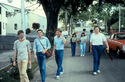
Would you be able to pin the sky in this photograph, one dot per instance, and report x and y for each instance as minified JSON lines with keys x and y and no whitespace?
{"x":33,"y":6}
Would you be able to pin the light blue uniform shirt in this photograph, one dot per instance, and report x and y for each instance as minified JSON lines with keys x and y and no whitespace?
{"x":37,"y":45}
{"x":58,"y":42}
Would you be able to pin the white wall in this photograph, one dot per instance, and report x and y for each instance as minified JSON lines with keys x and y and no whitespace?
{"x":16,"y":19}
{"x":34,"y":18}
{"x":12,"y":20}
{"x":3,"y":20}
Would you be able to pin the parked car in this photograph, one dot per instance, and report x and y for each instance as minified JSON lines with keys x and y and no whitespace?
{"x":117,"y":43}
{"x":65,"y":33}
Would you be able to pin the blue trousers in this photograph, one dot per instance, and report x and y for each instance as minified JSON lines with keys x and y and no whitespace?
{"x":82,"y":48}
{"x":73,"y":47}
{"x":59,"y":60}
{"x":97,"y":52}
{"x":42,"y":65}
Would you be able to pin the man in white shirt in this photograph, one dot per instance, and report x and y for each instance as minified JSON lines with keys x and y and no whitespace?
{"x":96,"y":46}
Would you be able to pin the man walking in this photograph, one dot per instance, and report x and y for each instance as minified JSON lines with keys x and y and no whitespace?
{"x":22,"y":52}
{"x":58,"y":51}
{"x":96,"y":46}
{"x":40,"y":43}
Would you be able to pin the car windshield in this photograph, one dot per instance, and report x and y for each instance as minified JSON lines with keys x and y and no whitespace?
{"x":120,"y":36}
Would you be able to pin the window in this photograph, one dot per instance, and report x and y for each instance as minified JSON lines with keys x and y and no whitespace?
{"x":3,"y":25}
{"x":0,"y":27}
{"x":78,"y":25}
{"x":6,"y":25}
{"x":0,"y":10}
{"x":6,"y":13}
{"x":15,"y":26}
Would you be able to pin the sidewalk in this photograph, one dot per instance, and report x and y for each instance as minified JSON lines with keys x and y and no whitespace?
{"x":5,"y":58}
{"x":79,"y":69}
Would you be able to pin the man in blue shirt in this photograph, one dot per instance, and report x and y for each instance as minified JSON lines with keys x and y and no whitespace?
{"x":58,"y":51}
{"x":40,"y":52}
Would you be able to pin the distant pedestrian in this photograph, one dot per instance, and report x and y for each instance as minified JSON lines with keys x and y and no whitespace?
{"x":22,"y":52}
{"x":84,"y":30}
{"x":73,"y":41}
{"x":96,"y":46}
{"x":83,"y":41}
{"x":91,"y":31}
{"x":58,"y":51}
{"x":40,"y":43}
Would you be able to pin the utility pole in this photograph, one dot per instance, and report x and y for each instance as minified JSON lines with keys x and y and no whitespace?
{"x":23,"y":17}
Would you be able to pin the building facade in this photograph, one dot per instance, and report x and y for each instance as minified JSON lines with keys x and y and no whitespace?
{"x":11,"y":20}
{"x":3,"y":20}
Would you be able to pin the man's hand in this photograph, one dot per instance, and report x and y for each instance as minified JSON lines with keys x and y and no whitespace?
{"x":53,"y":54}
{"x":29,"y":62}
{"x":90,"y":50}
{"x":44,"y":51}
{"x":14,"y":63}
{"x":107,"y":49}
{"x":35,"y":57}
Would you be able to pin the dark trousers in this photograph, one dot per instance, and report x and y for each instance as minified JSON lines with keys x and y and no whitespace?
{"x":97,"y":52}
{"x":73,"y":48}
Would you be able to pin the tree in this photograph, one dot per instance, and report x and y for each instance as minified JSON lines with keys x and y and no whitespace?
{"x":52,"y":9}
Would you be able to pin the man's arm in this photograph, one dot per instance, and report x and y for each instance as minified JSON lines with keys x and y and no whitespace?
{"x":107,"y":46}
{"x":34,"y":50}
{"x":106,"y":43}
{"x":35,"y":57}
{"x":29,"y":57}
{"x":64,"y":40}
{"x":90,"y":47}
{"x":54,"y":50}
{"x":14,"y":58}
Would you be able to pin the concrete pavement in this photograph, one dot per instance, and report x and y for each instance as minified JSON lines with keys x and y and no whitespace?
{"x":79,"y":69}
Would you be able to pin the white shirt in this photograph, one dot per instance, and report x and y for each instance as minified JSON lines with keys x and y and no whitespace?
{"x":97,"y":39}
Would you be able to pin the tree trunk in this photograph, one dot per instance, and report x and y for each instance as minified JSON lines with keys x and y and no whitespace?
{"x":52,"y":21}
{"x":66,"y":18}
{"x":51,"y":8}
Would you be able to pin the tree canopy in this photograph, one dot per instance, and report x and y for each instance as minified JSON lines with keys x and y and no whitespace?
{"x":73,"y":7}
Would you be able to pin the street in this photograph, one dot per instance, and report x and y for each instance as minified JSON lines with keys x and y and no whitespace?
{"x":79,"y":69}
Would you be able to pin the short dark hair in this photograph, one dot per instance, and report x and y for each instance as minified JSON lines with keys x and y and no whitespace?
{"x":96,"y":27}
{"x":91,"y":31}
{"x":59,"y":30}
{"x":40,"y":30}
{"x":19,"y":32}
{"x":74,"y":34}
{"x":83,"y":33}
{"x":84,"y":29}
